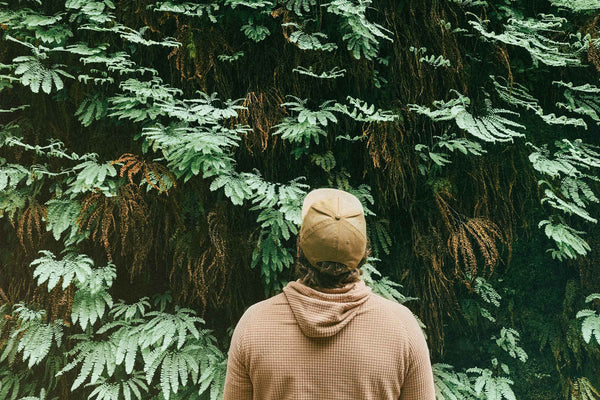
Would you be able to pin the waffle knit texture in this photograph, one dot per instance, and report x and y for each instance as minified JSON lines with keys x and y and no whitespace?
{"x":343,"y":343}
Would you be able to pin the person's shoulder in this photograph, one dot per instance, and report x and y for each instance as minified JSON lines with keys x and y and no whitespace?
{"x":391,"y":306}
{"x":263,"y":308}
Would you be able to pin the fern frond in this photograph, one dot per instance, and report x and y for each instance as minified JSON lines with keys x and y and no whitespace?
{"x":567,"y":239}
{"x":591,"y":321}
{"x":50,"y":270}
{"x":360,"y":34}
{"x":186,"y":8}
{"x":533,"y":36}
{"x":333,"y":73}
{"x":577,"y":5}
{"x":490,"y":127}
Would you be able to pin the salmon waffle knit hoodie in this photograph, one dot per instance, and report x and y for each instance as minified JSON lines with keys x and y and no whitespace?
{"x":329,"y":344}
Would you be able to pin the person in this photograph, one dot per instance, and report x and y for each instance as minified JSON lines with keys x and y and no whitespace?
{"x":327,"y":336}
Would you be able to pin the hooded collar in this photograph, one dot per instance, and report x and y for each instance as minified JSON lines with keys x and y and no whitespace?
{"x":323,"y":313}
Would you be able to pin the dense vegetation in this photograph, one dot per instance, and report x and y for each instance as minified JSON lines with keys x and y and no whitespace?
{"x":154,"y":156}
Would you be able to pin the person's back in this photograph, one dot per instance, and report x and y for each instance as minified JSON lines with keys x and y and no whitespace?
{"x":328,"y":344}
{"x":306,"y":344}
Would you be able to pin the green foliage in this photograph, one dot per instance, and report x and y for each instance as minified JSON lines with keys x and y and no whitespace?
{"x":310,"y":41}
{"x":308,"y":125}
{"x":567,"y":239}
{"x":105,"y":390}
{"x":333,"y":73}
{"x":256,"y":33}
{"x":230,"y":58}
{"x":493,"y":387}
{"x":61,"y":216}
{"x":573,"y":195}
{"x":92,"y":108}
{"x":449,"y":384}
{"x":299,"y":6}
{"x":93,"y":176}
{"x":519,"y":95}
{"x":49,"y":270}
{"x":361,"y":34}
{"x":591,"y":320}
{"x":33,"y":337}
{"x":187,"y":8}
{"x":533,"y":36}
{"x":35,"y":75}
{"x":508,"y":341}
{"x":581,"y":100}
{"x":381,"y":238}
{"x":490,"y":127}
{"x":137,"y":76}
{"x":432,"y":60}
{"x":362,"y":112}
{"x":450,"y":143}
{"x":382,"y":285}
{"x":577,"y":5}
{"x":584,"y":390}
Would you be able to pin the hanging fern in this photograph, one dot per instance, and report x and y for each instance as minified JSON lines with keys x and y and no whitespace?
{"x":92,"y":108}
{"x":493,"y":387}
{"x":582,"y":389}
{"x":254,"y":32}
{"x":519,"y":95}
{"x":187,"y":8}
{"x":568,"y":240}
{"x":299,"y":6}
{"x":362,"y":112}
{"x":35,"y":75}
{"x":450,"y":385}
{"x":51,"y":271}
{"x":382,"y":285}
{"x":360,"y":34}
{"x":591,"y":321}
{"x":581,"y":100}
{"x":577,"y":5}
{"x":493,"y":126}
{"x":508,"y":341}
{"x":308,"y":125}
{"x":533,"y":36}
{"x":310,"y":41}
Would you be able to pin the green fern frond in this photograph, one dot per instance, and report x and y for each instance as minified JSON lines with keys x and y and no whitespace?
{"x":577,"y":5}
{"x":256,"y":33}
{"x":591,"y":321}
{"x":508,"y":341}
{"x":299,"y":6}
{"x":362,"y":112}
{"x":50,"y":270}
{"x":35,"y":75}
{"x":333,"y":73}
{"x":382,"y":285}
{"x":533,"y":36}
{"x":119,"y":390}
{"x":311,"y":41}
{"x":519,"y":95}
{"x":189,"y":9}
{"x":325,"y":161}
{"x":449,"y":384}
{"x":360,"y":34}
{"x":490,"y":127}
{"x":567,"y":239}
{"x":92,"y":108}
{"x":62,"y":217}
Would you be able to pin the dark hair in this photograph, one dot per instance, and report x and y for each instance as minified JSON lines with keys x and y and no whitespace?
{"x":330,"y":274}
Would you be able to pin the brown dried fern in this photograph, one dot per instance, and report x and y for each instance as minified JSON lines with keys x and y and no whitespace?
{"x":132,"y":165}
{"x":29,"y":224}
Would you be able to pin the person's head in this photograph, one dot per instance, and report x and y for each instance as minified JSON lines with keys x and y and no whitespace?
{"x":332,"y":243}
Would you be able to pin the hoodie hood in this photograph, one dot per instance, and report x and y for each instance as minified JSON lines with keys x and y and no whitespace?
{"x":325,"y":312}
